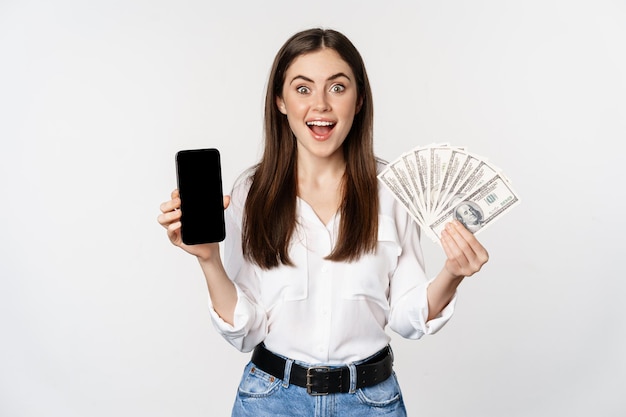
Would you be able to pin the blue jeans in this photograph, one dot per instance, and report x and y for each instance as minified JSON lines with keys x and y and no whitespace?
{"x":262,"y":395}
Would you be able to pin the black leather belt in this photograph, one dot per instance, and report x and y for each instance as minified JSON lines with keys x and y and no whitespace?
{"x":322,"y":380}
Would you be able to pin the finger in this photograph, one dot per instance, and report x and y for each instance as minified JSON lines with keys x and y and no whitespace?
{"x":453,"y":252}
{"x":477,"y":248}
{"x":173,"y":227}
{"x":468,"y":236}
{"x":173,"y":233}
{"x":474,"y":253}
{"x":226,"y":201}
{"x":460,"y":236}
{"x":165,"y":219}
{"x":175,"y":193}
{"x":173,"y":204}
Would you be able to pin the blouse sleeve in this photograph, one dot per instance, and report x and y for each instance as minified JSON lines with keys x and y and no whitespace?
{"x":408,"y":315}
{"x":249,"y":321}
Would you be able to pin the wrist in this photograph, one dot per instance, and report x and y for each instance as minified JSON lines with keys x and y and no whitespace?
{"x":209,"y":257}
{"x":450,"y":277}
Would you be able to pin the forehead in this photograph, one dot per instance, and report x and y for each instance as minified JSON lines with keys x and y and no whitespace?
{"x":319,"y":64}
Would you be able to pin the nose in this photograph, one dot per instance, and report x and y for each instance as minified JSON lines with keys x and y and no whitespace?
{"x":321,"y":102}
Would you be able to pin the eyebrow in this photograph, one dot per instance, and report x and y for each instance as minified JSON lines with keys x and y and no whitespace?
{"x":331,"y":78}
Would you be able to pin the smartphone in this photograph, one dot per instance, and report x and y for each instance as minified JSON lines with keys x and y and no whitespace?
{"x":199,"y":177}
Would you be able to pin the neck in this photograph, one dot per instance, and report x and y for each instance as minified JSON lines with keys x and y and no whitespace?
{"x":319,"y":183}
{"x":312,"y":166}
{"x":320,"y":170}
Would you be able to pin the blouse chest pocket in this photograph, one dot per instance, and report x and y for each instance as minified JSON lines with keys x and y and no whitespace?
{"x":284,"y":283}
{"x":280,"y":287}
{"x":369,"y":277}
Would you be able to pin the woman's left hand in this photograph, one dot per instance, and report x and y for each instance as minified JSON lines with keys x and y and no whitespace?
{"x":465,"y":253}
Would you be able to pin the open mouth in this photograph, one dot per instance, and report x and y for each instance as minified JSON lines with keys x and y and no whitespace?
{"x":320,"y":127}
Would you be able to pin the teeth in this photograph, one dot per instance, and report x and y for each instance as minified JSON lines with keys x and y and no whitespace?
{"x":319,"y":123}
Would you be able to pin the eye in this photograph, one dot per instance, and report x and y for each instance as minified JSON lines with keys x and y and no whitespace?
{"x":303,"y":89}
{"x":337,"y":88}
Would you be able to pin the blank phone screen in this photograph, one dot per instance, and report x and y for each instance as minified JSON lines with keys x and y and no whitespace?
{"x":202,"y":205}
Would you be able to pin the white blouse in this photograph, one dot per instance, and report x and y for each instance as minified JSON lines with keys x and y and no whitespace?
{"x":326,"y":312}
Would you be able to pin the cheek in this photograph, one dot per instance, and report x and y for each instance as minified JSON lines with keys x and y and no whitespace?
{"x":348,"y":112}
{"x":295,"y":123}
{"x":293,"y":108}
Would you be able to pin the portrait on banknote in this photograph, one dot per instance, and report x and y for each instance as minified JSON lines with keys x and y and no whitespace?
{"x":470,"y":215}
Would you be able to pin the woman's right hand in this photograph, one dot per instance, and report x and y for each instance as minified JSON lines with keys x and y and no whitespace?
{"x":170,"y":220}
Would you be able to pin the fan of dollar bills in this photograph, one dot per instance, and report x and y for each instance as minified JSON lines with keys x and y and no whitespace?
{"x":438,"y":183}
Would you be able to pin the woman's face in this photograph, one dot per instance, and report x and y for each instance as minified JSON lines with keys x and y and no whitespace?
{"x":320,"y":99}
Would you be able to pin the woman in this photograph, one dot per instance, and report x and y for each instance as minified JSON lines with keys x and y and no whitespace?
{"x":318,"y":260}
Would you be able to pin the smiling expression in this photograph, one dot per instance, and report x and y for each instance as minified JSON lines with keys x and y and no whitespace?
{"x":320,"y":100}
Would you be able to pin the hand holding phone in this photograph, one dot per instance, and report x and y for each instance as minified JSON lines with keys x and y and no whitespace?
{"x":199,"y":178}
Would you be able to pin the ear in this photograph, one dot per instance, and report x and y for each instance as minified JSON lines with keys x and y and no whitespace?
{"x":359,"y":104}
{"x":280,"y":103}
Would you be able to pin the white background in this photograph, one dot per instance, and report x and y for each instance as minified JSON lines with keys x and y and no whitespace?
{"x":101,"y":316}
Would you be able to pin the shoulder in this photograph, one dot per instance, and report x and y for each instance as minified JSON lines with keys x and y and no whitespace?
{"x":239,"y":192}
{"x":380,"y":165}
{"x":388,"y":204}
{"x":242,"y":184}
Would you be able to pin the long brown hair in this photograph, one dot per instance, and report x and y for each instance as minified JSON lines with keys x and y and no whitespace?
{"x":269,"y":219}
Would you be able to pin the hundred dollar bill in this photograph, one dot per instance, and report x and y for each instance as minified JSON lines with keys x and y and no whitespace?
{"x":393,"y":183}
{"x":401,"y":173}
{"x":434,"y":174}
{"x":417,"y":165}
{"x":481,"y":174}
{"x":412,"y":171}
{"x":421,"y":156}
{"x":480,"y":208}
{"x":453,"y":167}
{"x":396,"y":180}
{"x":441,"y":156}
{"x":468,"y":164}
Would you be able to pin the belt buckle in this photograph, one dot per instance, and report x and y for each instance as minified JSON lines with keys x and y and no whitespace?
{"x":309,"y":384}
